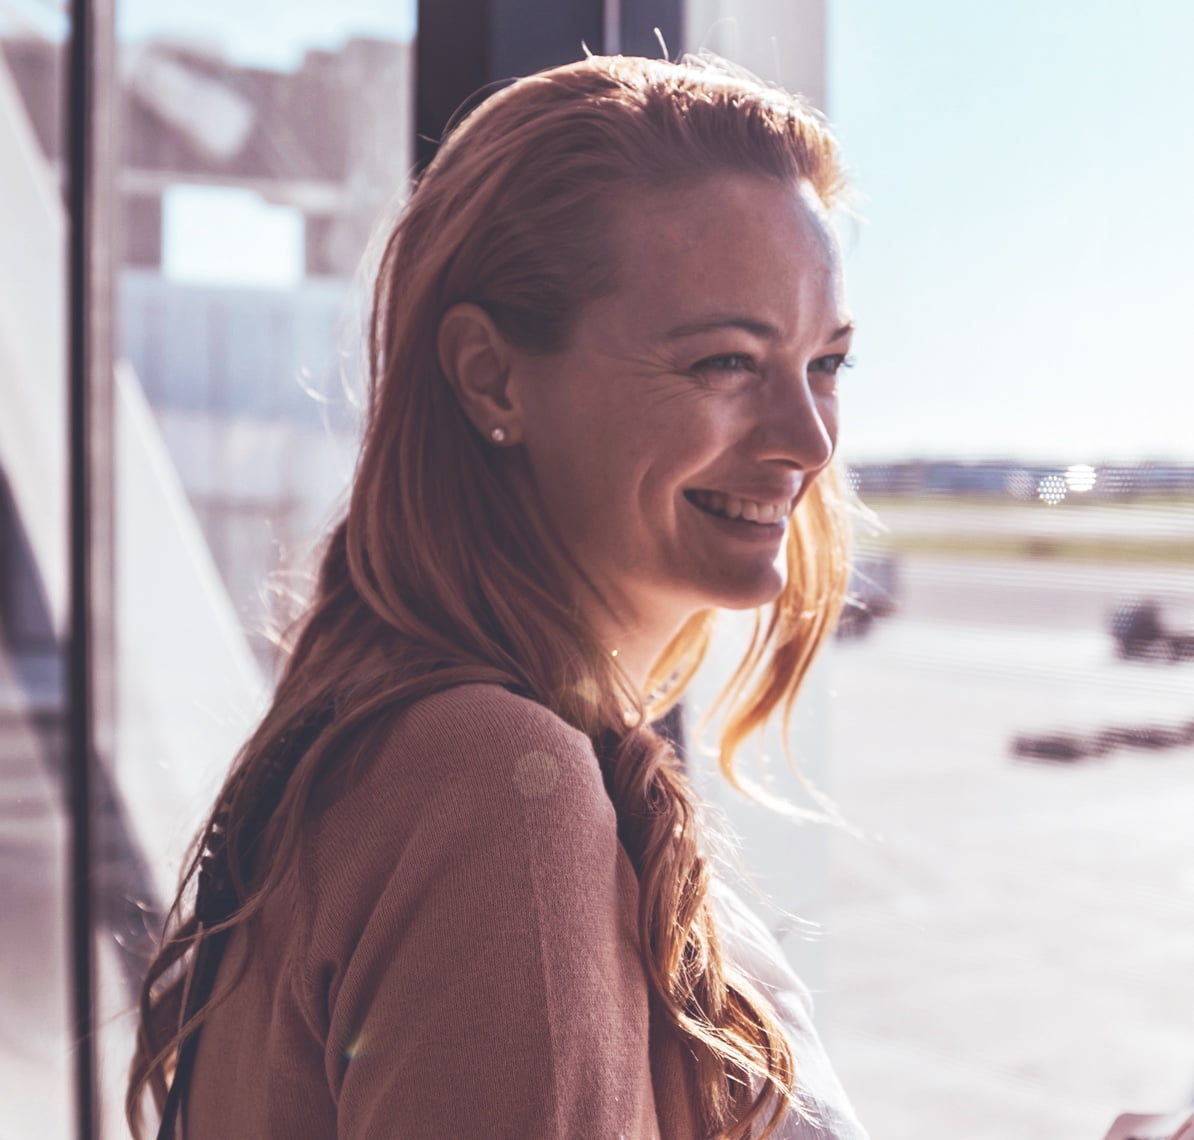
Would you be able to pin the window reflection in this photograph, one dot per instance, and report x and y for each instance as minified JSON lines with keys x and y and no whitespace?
{"x":36,"y":1083}
{"x":248,"y":190}
{"x":35,"y":1073}
{"x":1009,"y":706}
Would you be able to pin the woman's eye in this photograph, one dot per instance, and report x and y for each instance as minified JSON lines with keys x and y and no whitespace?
{"x":725,"y":362}
{"x":832,"y":364}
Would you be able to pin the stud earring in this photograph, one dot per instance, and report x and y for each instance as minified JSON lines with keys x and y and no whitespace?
{"x":498,"y":435}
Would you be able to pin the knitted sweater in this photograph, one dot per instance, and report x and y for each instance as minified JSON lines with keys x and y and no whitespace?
{"x":454,"y":955}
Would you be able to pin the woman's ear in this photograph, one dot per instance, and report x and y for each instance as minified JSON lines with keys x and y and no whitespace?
{"x":477,"y":361}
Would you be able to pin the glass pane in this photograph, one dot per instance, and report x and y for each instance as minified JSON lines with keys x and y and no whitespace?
{"x":783,"y":42}
{"x":36,"y":1077}
{"x":260,"y":146}
{"x":1008,"y":709}
{"x":1011,"y":947}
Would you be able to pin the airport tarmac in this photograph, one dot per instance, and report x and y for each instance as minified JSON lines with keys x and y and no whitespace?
{"x":1069,"y":519}
{"x":1009,"y":953}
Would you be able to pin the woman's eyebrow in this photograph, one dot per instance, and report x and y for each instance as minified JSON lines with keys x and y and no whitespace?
{"x":845,"y":330}
{"x":709,"y":324}
{"x":751,"y":325}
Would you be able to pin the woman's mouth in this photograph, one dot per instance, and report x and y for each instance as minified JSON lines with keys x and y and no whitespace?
{"x":748,"y":510}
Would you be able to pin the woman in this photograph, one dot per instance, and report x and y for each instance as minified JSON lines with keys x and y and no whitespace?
{"x":454,"y":885}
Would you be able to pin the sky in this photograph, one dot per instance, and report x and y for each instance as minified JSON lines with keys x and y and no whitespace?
{"x":1023,"y":277}
{"x":1021,"y":268}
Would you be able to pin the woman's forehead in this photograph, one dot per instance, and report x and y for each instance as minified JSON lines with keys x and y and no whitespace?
{"x":733,"y":243}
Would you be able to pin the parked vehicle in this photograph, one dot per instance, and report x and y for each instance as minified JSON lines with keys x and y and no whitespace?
{"x":1068,"y":747}
{"x":1142,"y":631}
{"x":873,"y":593}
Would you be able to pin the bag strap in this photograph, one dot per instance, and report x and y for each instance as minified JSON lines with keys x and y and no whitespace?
{"x":216,"y":901}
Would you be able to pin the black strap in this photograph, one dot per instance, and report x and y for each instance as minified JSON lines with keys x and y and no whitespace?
{"x":203,"y":978}
{"x":216,"y":900}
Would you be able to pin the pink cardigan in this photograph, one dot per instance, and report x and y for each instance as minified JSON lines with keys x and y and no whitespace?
{"x":454,"y":956}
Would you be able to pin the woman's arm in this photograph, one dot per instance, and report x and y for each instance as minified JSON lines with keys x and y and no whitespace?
{"x":488,"y":982}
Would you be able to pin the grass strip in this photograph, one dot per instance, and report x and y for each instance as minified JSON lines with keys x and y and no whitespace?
{"x":1159,"y":551}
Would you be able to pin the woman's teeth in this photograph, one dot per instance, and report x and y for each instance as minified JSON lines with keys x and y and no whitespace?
{"x":765,"y":514}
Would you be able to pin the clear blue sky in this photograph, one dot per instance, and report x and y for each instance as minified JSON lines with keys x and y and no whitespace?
{"x":1024,"y":279}
{"x":1024,"y":274}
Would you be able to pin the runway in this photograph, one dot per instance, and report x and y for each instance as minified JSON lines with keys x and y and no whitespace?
{"x":1071,"y":518}
{"x":1010,"y":951}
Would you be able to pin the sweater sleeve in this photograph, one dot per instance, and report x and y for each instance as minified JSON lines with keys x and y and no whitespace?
{"x":481,"y":975}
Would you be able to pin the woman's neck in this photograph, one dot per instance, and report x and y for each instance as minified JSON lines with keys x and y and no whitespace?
{"x":635,"y":645}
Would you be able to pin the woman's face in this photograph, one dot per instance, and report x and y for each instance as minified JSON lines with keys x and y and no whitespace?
{"x":696,"y":403}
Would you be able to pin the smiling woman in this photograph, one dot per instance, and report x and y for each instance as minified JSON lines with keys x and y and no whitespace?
{"x":668,"y":457}
{"x":456,"y":885}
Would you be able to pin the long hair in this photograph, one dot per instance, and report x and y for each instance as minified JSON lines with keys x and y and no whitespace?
{"x":439,"y":574}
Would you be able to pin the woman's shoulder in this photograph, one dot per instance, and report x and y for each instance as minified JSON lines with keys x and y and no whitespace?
{"x":470,"y":759}
{"x":489,"y":738}
{"x":467,"y":908}
{"x":464,"y":718}
{"x":469,"y":805}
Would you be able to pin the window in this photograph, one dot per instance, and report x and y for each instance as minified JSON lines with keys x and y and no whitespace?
{"x":1008,"y":715}
{"x":999,"y":943}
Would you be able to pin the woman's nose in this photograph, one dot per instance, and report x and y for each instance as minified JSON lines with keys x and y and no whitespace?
{"x":799,"y":426}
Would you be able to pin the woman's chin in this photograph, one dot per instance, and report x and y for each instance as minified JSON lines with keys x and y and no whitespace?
{"x":761,"y":590}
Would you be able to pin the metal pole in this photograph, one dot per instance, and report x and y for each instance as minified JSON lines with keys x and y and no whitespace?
{"x":611,"y":30}
{"x":79,"y":102}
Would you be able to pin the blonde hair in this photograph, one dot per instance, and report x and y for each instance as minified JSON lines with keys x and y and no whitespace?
{"x":439,"y":575}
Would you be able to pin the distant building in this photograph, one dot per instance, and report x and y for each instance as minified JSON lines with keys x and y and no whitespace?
{"x":333,"y":140}
{"x":1008,"y":480}
{"x":252,"y":387}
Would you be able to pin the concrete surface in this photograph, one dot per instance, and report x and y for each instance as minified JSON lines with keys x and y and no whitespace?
{"x":1010,"y":952}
